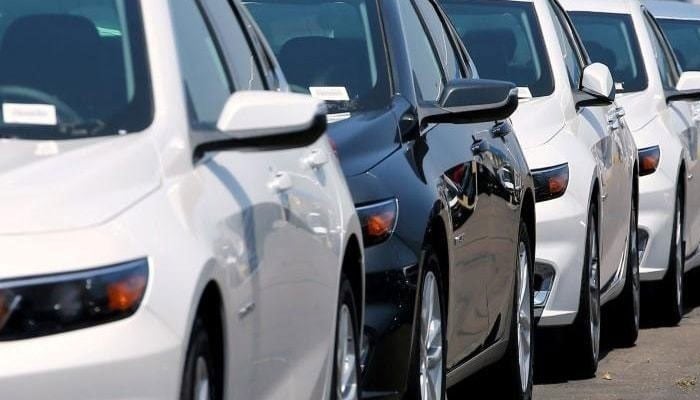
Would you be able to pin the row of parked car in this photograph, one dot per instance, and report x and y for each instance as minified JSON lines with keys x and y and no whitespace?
{"x":337,"y":199}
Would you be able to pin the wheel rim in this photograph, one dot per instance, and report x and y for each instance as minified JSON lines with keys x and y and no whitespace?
{"x":346,"y":357}
{"x":201,"y":385}
{"x":524,"y":317}
{"x":635,"y":268}
{"x":431,"y":340}
{"x":679,"y":259}
{"x":593,"y":287}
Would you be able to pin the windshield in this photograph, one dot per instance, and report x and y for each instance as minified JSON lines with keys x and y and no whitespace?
{"x":72,"y":69}
{"x":505,"y":42}
{"x":331,"y":49}
{"x":684,"y":36}
{"x":610,"y":39}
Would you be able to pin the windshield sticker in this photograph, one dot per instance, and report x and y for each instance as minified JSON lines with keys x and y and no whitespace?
{"x":332,"y":118}
{"x":330,"y":93}
{"x":524,"y":92}
{"x":619,"y":86}
{"x":29,"y":114}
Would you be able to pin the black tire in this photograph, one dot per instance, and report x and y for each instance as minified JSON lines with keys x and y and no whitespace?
{"x":625,"y":311}
{"x":671,"y":288}
{"x":200,"y":348}
{"x":509,"y":366}
{"x":346,"y":298}
{"x":584,"y":345}
{"x":432,"y":266}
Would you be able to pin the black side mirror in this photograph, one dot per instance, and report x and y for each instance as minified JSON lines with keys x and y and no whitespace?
{"x":474,"y":100}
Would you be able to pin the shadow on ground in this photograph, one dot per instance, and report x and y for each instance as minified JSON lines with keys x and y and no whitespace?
{"x":552,"y":365}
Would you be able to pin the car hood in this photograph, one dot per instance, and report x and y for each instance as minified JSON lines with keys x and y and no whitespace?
{"x":50,"y":186}
{"x":363,"y":140}
{"x":639,"y":109}
{"x":537,"y":120}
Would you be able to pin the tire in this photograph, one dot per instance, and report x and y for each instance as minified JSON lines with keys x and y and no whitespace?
{"x":427,"y":377}
{"x":584,"y":337}
{"x":671,"y":288}
{"x":517,"y":364}
{"x":625,"y":313}
{"x":346,"y":359}
{"x":202,"y":378}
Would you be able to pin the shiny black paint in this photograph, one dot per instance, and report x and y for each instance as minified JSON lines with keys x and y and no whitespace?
{"x":445,"y":176}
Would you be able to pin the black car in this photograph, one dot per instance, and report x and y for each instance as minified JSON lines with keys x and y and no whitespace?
{"x":441,"y":186}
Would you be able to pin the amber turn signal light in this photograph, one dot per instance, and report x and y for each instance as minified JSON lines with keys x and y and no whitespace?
{"x":378,"y":221}
{"x":649,"y":160}
{"x":551,"y":183}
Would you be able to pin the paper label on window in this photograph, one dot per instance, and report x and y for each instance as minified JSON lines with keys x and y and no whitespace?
{"x":619,"y":86}
{"x":524,"y":92}
{"x":29,"y":114}
{"x":330,"y":93}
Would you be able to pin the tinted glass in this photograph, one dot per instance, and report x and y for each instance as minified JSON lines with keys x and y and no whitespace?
{"x":610,"y":39}
{"x":664,"y":63}
{"x":443,"y":42}
{"x":505,"y":42}
{"x":426,"y":67}
{"x":206,"y":83}
{"x":69,"y":69}
{"x":571,"y":58}
{"x":684,"y":36}
{"x":332,"y":49}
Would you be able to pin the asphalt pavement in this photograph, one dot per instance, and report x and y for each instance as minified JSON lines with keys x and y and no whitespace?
{"x":665,"y":364}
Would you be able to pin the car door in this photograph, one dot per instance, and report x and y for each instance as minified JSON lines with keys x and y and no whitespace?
{"x":458,"y":154}
{"x":275,"y":217}
{"x":600,"y":128}
{"x":681,"y":116}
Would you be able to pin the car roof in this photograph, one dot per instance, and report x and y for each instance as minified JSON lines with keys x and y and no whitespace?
{"x":673,"y":9}
{"x":604,"y":6}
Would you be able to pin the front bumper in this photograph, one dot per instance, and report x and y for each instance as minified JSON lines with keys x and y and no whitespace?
{"x":657,"y":193}
{"x":135,"y":358}
{"x":561,"y":230}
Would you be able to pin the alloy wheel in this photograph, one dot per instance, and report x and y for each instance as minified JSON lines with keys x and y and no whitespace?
{"x":524,"y":317}
{"x":346,"y":357}
{"x":594,"y":287}
{"x":201,"y":382}
{"x":431,"y":341}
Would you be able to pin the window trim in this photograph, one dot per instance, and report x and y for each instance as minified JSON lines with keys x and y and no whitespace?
{"x":572,"y":37}
{"x":670,"y":57}
{"x":217,"y":45}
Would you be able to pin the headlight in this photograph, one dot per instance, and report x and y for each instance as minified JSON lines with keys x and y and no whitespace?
{"x":58,"y":303}
{"x":378,"y":221}
{"x":551,"y":183}
{"x":649,"y":160}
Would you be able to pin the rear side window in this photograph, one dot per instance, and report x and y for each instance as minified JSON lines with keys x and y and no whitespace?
{"x":505,"y":42}
{"x":331,"y":49}
{"x":207,"y":84}
{"x":664,"y":59}
{"x":443,"y":42}
{"x":611,"y":39}
{"x":571,"y":57}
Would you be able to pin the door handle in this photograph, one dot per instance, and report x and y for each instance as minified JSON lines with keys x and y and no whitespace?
{"x":281,"y":182}
{"x":620,"y":112}
{"x":501,"y":129}
{"x":317,"y":159}
{"x":480,"y":146}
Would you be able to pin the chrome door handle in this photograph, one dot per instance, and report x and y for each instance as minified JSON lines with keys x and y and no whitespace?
{"x":281,"y":182}
{"x":317,"y":159}
{"x":690,"y":177}
{"x":620,"y":112}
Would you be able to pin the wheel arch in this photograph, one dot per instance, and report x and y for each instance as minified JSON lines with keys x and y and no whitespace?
{"x":353,"y":269}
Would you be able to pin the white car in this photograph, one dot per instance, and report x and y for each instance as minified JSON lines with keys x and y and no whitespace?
{"x":163,"y":235}
{"x":656,"y":96}
{"x":583,"y":160}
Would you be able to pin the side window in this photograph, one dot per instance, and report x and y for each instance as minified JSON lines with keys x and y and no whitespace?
{"x":426,"y":68}
{"x":571,"y":57}
{"x":235,"y":45}
{"x":206,"y":81}
{"x":663,"y":59}
{"x":443,"y":43}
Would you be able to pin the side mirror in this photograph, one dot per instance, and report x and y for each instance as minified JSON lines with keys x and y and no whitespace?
{"x":266,"y":120}
{"x":688,"y":88}
{"x":597,"y":86}
{"x":474,"y":100}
